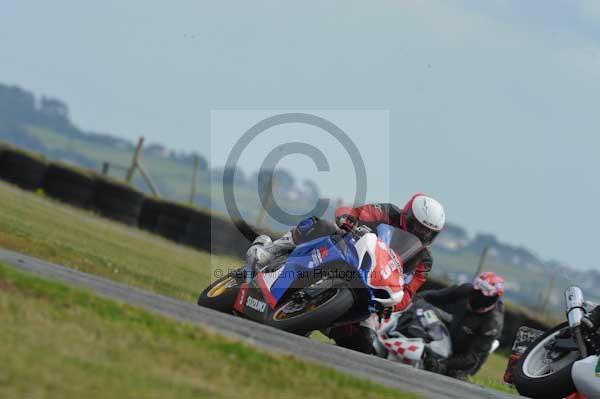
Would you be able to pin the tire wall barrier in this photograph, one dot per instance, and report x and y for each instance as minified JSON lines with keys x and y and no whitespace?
{"x":69,"y":185}
{"x":184,"y":224}
{"x":149,"y":214}
{"x":117,"y":201}
{"x":113,"y":199}
{"x":22,"y":168}
{"x":173,"y":220}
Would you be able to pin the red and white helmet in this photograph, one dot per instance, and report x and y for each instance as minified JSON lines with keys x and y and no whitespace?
{"x":424,"y":217}
{"x":488,"y":287}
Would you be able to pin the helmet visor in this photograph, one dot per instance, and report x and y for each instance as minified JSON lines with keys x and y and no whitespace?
{"x":425,"y":234}
{"x":481,"y":303}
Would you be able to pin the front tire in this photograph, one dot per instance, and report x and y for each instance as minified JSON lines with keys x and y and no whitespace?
{"x":333,"y":303}
{"x":547,"y":384}
{"x":220,"y":294}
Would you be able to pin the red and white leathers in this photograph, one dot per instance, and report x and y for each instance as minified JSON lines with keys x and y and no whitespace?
{"x":372,"y":215}
{"x":360,"y":336}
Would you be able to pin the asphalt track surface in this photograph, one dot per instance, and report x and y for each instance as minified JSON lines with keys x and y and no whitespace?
{"x":372,"y":368}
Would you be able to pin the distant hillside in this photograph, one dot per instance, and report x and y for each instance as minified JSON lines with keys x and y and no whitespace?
{"x":43,"y":124}
{"x":528,"y":276}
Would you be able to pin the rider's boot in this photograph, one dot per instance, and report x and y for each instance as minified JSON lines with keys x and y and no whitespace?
{"x":263,"y":250}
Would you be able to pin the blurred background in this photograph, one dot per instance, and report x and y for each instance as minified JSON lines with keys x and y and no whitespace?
{"x":490,"y":107}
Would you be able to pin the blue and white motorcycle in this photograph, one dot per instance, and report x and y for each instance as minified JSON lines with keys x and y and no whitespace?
{"x":326,"y":282}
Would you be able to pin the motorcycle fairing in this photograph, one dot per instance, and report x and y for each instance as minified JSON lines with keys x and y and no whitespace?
{"x":304,"y":264}
{"x":386,"y":272}
{"x":265,"y":282}
{"x":240,"y":300}
{"x":301,"y":267}
{"x":585,"y":377}
{"x":418,"y":326}
{"x":309,"y":260}
{"x":406,"y":350}
{"x":251,"y":302}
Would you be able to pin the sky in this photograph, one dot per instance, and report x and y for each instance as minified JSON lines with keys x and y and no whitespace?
{"x":492,"y":107}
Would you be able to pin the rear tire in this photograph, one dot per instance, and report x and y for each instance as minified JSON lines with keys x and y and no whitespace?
{"x":222,"y":301}
{"x":318,"y":318}
{"x":557,"y":385}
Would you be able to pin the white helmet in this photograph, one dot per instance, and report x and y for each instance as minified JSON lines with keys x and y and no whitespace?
{"x":425,"y":218}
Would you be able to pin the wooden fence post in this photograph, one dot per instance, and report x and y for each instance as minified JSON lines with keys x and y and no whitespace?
{"x":135,"y":160}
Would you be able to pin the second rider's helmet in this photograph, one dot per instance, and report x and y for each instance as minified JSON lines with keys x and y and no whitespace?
{"x":488,"y":287}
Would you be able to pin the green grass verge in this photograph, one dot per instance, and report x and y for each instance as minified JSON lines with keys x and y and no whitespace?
{"x":47,"y":229}
{"x":63,"y":342}
{"x":491,"y":374}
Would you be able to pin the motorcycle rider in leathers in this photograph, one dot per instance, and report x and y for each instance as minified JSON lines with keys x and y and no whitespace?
{"x":474,"y":314}
{"x":422,"y":216}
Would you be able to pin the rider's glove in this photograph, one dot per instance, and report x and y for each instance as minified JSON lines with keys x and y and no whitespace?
{"x":346,"y":222}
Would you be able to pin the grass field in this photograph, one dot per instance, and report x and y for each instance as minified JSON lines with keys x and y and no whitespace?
{"x":62,"y":342}
{"x":491,"y":374}
{"x":41,"y":227}
{"x":49,"y":230}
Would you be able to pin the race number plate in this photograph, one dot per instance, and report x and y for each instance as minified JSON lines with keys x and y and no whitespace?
{"x":525,"y":336}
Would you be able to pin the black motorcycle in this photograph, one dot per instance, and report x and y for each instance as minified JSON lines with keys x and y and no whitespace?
{"x":546,"y":369}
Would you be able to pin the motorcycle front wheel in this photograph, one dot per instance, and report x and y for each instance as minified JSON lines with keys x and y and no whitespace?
{"x":315,"y":313}
{"x":543,"y":373}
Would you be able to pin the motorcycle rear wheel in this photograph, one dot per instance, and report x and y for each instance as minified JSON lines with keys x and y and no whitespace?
{"x":220,"y":294}
{"x":547,"y":384}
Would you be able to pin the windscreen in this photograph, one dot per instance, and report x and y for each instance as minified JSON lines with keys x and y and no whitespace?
{"x":406,"y":245}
